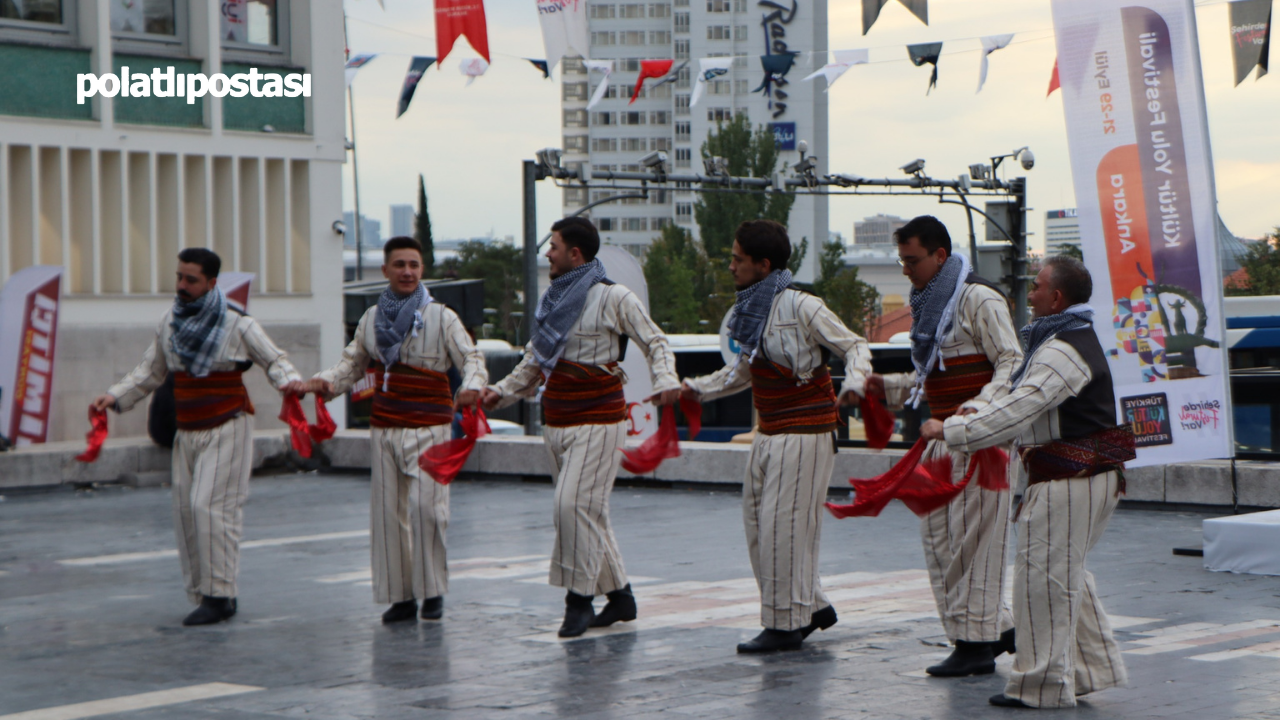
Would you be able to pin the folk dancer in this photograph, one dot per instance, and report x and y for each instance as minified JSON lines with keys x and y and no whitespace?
{"x":1062,"y":412}
{"x":410,"y":342}
{"x":785,"y":335}
{"x":964,"y":349}
{"x":207,"y":345}
{"x":582,"y":323}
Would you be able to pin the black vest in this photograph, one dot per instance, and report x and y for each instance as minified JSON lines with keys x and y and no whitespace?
{"x":1094,"y":408}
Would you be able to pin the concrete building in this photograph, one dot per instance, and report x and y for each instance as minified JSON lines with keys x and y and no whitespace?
{"x":112,"y":189}
{"x":402,"y":220}
{"x":615,"y":134}
{"x":1061,"y":230}
{"x":877,"y":231}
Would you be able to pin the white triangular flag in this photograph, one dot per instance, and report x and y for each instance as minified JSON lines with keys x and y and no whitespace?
{"x":600,"y":66}
{"x":990,"y":44}
{"x":708,"y":70}
{"x":564,"y":29}
{"x":473,"y":68}
{"x":355,"y":63}
{"x":845,"y":59}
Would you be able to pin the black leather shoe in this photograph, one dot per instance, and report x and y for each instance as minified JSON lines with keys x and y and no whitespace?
{"x":1005,"y":644}
{"x":578,"y":615}
{"x":820,"y":620}
{"x":969,"y":658}
{"x":432,"y":608}
{"x":620,"y":608}
{"x":1003,"y":700}
{"x":400,"y":612}
{"x":212,"y":610}
{"x":772,"y":641}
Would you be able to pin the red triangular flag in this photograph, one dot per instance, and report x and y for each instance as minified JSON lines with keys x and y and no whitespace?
{"x":95,"y":437}
{"x":443,"y":462}
{"x":1054,"y":82}
{"x":460,"y":18}
{"x":650,"y":69}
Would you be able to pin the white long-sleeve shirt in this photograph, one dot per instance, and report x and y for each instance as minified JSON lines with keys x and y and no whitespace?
{"x":245,"y":340}
{"x":609,"y":312}
{"x":441,"y":342}
{"x":798,"y":327}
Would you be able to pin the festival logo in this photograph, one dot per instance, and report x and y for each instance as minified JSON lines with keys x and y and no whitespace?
{"x":1202,"y":415}
{"x":1148,"y":417}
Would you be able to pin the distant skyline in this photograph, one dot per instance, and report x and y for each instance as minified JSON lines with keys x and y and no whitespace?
{"x":468,"y":141}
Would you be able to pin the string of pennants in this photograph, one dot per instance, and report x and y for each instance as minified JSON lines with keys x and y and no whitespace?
{"x":565,"y":33}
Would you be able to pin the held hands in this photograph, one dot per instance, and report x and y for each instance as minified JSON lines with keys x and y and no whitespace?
{"x":489,"y":399}
{"x":666,"y":397}
{"x":466,"y":398}
{"x":688,"y":393}
{"x":848,"y":398}
{"x":931,"y":430}
{"x":100,"y":404}
{"x":874,"y":386}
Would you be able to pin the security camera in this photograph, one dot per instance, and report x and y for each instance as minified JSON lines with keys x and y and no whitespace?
{"x":1028,"y":160}
{"x":716,"y":166}
{"x":655,"y":159}
{"x":549,"y":159}
{"x":802,"y":146}
{"x":979,"y":171}
{"x":339,"y":227}
{"x":913,"y":167}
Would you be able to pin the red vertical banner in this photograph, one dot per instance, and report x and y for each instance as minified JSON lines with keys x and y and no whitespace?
{"x":461,"y":18}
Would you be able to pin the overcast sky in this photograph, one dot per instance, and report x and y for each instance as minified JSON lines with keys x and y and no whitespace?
{"x":468,"y":141}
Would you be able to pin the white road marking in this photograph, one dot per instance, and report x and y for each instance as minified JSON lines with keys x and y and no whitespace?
{"x":130,"y":703}
{"x":158,"y":554}
{"x":1195,"y":635}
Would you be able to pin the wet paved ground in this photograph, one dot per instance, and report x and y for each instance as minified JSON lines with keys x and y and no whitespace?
{"x":91,"y":604}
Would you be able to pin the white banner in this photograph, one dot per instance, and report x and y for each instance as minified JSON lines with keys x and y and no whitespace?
{"x":28,"y":334}
{"x":564,"y":29}
{"x":1137,"y":130}
{"x":642,"y":417}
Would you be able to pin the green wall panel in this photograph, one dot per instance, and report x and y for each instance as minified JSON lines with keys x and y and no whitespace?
{"x":170,"y":111}
{"x":251,"y":113}
{"x":41,"y":81}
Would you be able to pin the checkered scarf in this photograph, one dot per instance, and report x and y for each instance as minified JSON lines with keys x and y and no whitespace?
{"x":751,"y":310}
{"x":561,"y":305}
{"x":1043,"y":329}
{"x":197,"y":330}
{"x":392,"y":326}
{"x":933,"y":314}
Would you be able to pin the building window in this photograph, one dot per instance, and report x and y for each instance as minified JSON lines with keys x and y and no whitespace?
{"x":684,"y":157}
{"x":681,"y":22}
{"x":612,"y":91}
{"x":572,"y":66}
{"x":659,"y":223}
{"x":635,"y":224}
{"x":49,"y":13}
{"x":629,"y":91}
{"x":255,"y":25}
{"x":682,"y":130}
{"x":604,"y":38}
{"x":741,"y":87}
{"x":663,"y":144}
{"x":631,"y":37}
{"x":629,"y":65}
{"x":680,"y":3}
{"x":48,"y":22}
{"x":740,"y":32}
{"x":739,"y":5}
{"x":682,"y":104}
{"x":606,"y":224}
{"x":740,"y":62}
{"x":660,"y":117}
{"x":158,"y":17}
{"x":682,"y":49}
{"x":632,"y":144}
{"x":682,"y":78}
{"x":659,"y":197}
{"x":631,"y":118}
{"x":575,"y":143}
{"x":719,"y":87}
{"x":660,"y":91}
{"x":575,"y":90}
{"x":684,"y":210}
{"x":659,"y":37}
{"x":575,"y":196}
{"x":718,"y":6}
{"x":718,"y":32}
{"x":659,"y":10}
{"x":603,"y":12}
{"x":631,"y":10}
{"x":719,"y":114}
{"x":603,"y":118}
{"x":575,"y":118}
{"x":604,"y":144}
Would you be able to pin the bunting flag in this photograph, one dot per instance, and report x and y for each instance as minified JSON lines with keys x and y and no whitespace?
{"x":564,"y":29}
{"x":926,"y":53}
{"x":96,"y":436}
{"x":776,"y":68}
{"x":600,"y":66}
{"x":845,"y":59}
{"x":542,"y":66}
{"x":473,"y":68}
{"x":665,"y":443}
{"x":650,"y":69}
{"x":671,"y":76}
{"x":709,"y":69}
{"x":417,"y":66}
{"x":354,"y":64}
{"x":1054,"y":82}
{"x":990,"y":44}
{"x":1250,"y":36}
{"x":461,"y":18}
{"x":871,"y":11}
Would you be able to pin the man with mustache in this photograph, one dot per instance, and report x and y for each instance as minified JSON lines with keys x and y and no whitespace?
{"x":1061,"y":410}
{"x":411,"y":342}
{"x":786,"y":336}
{"x":207,"y":345}
{"x":583,"y":322}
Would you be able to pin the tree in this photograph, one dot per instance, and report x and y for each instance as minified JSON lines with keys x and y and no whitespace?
{"x":747,"y":153}
{"x":796,"y":261}
{"x":1073,"y":251}
{"x":500,"y":265}
{"x":674,"y":267}
{"x":1261,"y":265}
{"x":852,"y":300}
{"x":422,"y":230}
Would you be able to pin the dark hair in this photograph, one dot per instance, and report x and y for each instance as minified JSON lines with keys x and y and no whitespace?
{"x":929,"y":230}
{"x":403,"y":242}
{"x":208,"y":260}
{"x":765,"y":240}
{"x":580,"y":233}
{"x":1071,"y":277}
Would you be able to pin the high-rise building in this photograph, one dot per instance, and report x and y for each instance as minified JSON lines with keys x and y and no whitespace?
{"x":370,"y":231}
{"x":401,"y":220}
{"x":1061,"y":229}
{"x":876,"y":231}
{"x":616,"y":134}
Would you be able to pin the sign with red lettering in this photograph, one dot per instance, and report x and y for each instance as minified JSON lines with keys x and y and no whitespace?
{"x":28,"y":335}
{"x":461,"y":18}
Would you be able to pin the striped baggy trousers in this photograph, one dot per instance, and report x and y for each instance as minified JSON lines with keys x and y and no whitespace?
{"x":782,"y":509}
{"x":966,"y":551}
{"x":1065,"y":645}
{"x":409,"y":514}
{"x":210,"y":471}
{"x":585,"y":558}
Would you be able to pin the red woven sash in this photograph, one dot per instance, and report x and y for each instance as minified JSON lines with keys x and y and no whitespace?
{"x":961,"y":382}
{"x":1103,"y":451}
{"x":787,"y":406}
{"x":578,"y":394}
{"x":414,"y":397}
{"x":207,"y":402}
